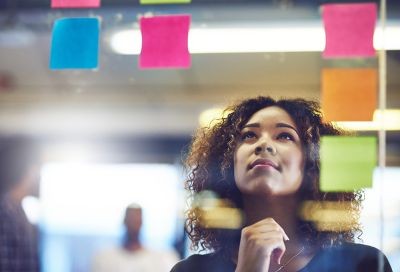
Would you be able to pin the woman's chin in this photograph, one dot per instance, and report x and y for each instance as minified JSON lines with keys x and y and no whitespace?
{"x":267,"y":190}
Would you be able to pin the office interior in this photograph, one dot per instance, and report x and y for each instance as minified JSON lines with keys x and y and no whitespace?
{"x":119,"y":134}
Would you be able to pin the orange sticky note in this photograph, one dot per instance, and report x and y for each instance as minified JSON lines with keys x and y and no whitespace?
{"x":349,"y":94}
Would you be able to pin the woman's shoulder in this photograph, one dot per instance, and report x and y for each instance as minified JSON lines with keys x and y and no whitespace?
{"x":358,"y":250}
{"x":207,"y":262}
{"x":349,"y":257}
{"x":357,"y":246}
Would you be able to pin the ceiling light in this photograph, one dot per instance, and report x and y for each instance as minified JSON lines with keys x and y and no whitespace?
{"x":288,"y":38}
{"x":388,"y":119}
{"x":210,"y":117}
{"x":16,"y":37}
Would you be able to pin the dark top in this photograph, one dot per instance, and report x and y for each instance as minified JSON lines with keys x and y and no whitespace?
{"x":18,"y":240}
{"x":348,"y":257}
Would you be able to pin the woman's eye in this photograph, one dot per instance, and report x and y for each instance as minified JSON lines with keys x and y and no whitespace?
{"x":286,"y":136}
{"x":247,"y":135}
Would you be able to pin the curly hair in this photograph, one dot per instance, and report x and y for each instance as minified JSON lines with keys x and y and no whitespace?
{"x":210,"y":167}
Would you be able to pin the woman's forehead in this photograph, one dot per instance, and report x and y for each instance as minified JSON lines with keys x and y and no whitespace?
{"x":271,"y":114}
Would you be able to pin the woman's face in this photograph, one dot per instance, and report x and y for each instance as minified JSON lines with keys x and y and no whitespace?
{"x":269,"y":158}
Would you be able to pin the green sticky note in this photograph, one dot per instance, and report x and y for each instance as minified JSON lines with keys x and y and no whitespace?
{"x":347,"y":163}
{"x":144,"y":2}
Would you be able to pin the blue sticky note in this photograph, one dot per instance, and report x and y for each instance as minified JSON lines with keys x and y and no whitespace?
{"x":75,"y":43}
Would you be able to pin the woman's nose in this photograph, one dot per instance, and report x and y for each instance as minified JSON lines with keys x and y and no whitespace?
{"x":265,"y":146}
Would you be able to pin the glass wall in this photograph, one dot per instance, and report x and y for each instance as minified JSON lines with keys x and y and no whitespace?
{"x":114,"y":121}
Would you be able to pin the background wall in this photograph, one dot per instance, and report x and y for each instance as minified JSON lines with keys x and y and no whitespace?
{"x":120,"y":115}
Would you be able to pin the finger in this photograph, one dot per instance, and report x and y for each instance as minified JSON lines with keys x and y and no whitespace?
{"x":268,"y":220}
{"x":286,"y":238}
{"x":278,"y":249}
{"x":271,"y":221}
{"x":267,"y":226}
{"x":277,"y":255}
{"x":275,"y":236}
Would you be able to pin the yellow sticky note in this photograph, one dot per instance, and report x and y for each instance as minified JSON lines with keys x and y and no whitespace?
{"x":144,"y":2}
{"x":349,"y":94}
{"x":347,"y":163}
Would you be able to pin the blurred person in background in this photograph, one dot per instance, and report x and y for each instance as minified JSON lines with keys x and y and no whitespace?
{"x":19,"y":177}
{"x":132,"y":256}
{"x":181,"y":241}
{"x":263,"y":159}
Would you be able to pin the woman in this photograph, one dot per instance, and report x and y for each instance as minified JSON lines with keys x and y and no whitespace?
{"x":263,"y":157}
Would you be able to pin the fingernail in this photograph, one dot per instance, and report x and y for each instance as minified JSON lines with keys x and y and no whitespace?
{"x":286,"y":237}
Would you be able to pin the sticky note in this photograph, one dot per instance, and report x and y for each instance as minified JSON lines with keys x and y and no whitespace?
{"x":75,"y":43}
{"x":75,"y":3}
{"x":349,"y":94}
{"x":347,"y":163}
{"x":165,"y":42}
{"x":164,"y":1}
{"x":349,"y":29}
{"x":328,"y":215}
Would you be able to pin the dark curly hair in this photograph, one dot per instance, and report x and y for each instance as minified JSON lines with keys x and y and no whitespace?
{"x":210,"y":167}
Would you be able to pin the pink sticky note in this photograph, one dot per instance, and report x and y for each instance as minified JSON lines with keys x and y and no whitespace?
{"x":165,"y":42}
{"x":75,"y":3}
{"x":349,"y":29}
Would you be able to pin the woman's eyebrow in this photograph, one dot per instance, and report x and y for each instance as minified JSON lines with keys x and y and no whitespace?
{"x":256,"y":125}
{"x":287,"y":126}
{"x":278,"y":125}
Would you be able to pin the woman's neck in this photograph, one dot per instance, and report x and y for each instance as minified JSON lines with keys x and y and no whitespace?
{"x":283,"y":209}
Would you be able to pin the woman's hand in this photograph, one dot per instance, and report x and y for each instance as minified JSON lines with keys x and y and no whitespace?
{"x":259,"y":243}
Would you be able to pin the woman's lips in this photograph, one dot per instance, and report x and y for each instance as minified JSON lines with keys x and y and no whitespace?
{"x":263,"y":163}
